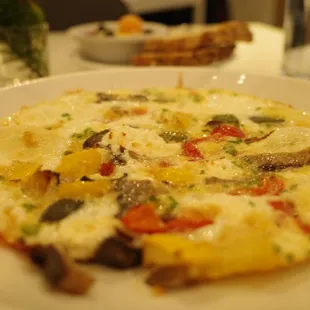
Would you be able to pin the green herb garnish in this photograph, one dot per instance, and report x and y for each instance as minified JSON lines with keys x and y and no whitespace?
{"x":153,"y":198}
{"x":289,"y":257}
{"x":238,"y":164}
{"x":236,"y":141}
{"x":30,"y":229}
{"x":29,"y":206}
{"x":277,"y":249}
{"x":251,"y":203}
{"x":173,"y":203}
{"x":67,"y":116}
{"x":84,"y":134}
{"x":197,"y":97}
{"x":230,"y":149}
{"x":253,"y":182}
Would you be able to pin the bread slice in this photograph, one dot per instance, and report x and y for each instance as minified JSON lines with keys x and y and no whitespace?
{"x":200,"y":56}
{"x":190,"y":37}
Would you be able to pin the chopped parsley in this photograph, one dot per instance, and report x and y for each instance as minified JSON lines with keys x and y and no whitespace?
{"x":236,"y":141}
{"x":289,"y":257}
{"x":30,"y":229}
{"x":173,"y":203}
{"x":197,"y":97}
{"x":202,"y":172}
{"x":153,"y":198}
{"x":84,"y":134}
{"x":277,"y":249}
{"x":251,"y":203}
{"x":238,"y":164}
{"x":253,"y":182}
{"x":230,"y":149}
{"x":165,"y":203}
{"x":192,"y":186}
{"x":67,"y":116}
{"x":29,"y":206}
{"x":163,"y":112}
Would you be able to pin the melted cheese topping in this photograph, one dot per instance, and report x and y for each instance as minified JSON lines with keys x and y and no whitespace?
{"x":139,"y":132}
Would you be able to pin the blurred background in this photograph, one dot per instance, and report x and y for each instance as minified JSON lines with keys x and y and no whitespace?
{"x":62,"y":14}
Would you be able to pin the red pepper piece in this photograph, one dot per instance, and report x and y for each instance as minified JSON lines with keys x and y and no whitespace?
{"x":106,"y":169}
{"x":228,"y":131}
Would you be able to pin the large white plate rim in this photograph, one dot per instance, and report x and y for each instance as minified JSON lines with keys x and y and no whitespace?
{"x":21,"y":287}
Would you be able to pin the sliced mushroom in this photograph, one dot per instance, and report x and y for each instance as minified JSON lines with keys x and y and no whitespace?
{"x":169,"y":277}
{"x":117,"y":159}
{"x":266,"y":119}
{"x":279,"y":161}
{"x":257,"y":139}
{"x":60,"y":210}
{"x":133,"y":192}
{"x":60,"y":271}
{"x":94,"y":140}
{"x":86,"y":179}
{"x":118,"y":253}
{"x":102,"y":97}
{"x":138,"y":97}
{"x":224,"y":119}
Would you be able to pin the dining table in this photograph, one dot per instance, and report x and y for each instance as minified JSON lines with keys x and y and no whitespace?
{"x":262,"y":56}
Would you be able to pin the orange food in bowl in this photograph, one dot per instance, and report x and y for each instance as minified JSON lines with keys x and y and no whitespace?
{"x":130,"y":24}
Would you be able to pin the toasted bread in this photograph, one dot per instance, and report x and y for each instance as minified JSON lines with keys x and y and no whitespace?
{"x":190,"y":37}
{"x":201,"y":56}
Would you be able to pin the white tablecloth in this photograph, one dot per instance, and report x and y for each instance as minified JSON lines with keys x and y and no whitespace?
{"x":262,"y":56}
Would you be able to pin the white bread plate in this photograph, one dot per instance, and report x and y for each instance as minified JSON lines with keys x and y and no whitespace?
{"x":117,"y":49}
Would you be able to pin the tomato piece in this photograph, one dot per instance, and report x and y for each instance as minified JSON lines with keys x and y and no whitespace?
{"x":303,"y":226}
{"x":286,"y":207}
{"x":20,"y":247}
{"x":228,"y":131}
{"x":269,"y":185}
{"x":191,"y":150}
{"x":107,"y":169}
{"x":164,"y":164}
{"x":184,"y":224}
{"x":139,"y":110}
{"x":143,"y":219}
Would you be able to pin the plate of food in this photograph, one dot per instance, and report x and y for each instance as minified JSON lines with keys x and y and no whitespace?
{"x":155,"y":188}
{"x":135,"y":42}
{"x":115,"y":41}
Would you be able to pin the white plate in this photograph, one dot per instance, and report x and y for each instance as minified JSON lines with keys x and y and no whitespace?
{"x":22,"y":287}
{"x":114,"y":49}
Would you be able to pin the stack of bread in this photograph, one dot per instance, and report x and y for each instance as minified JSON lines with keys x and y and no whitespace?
{"x":190,"y":45}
